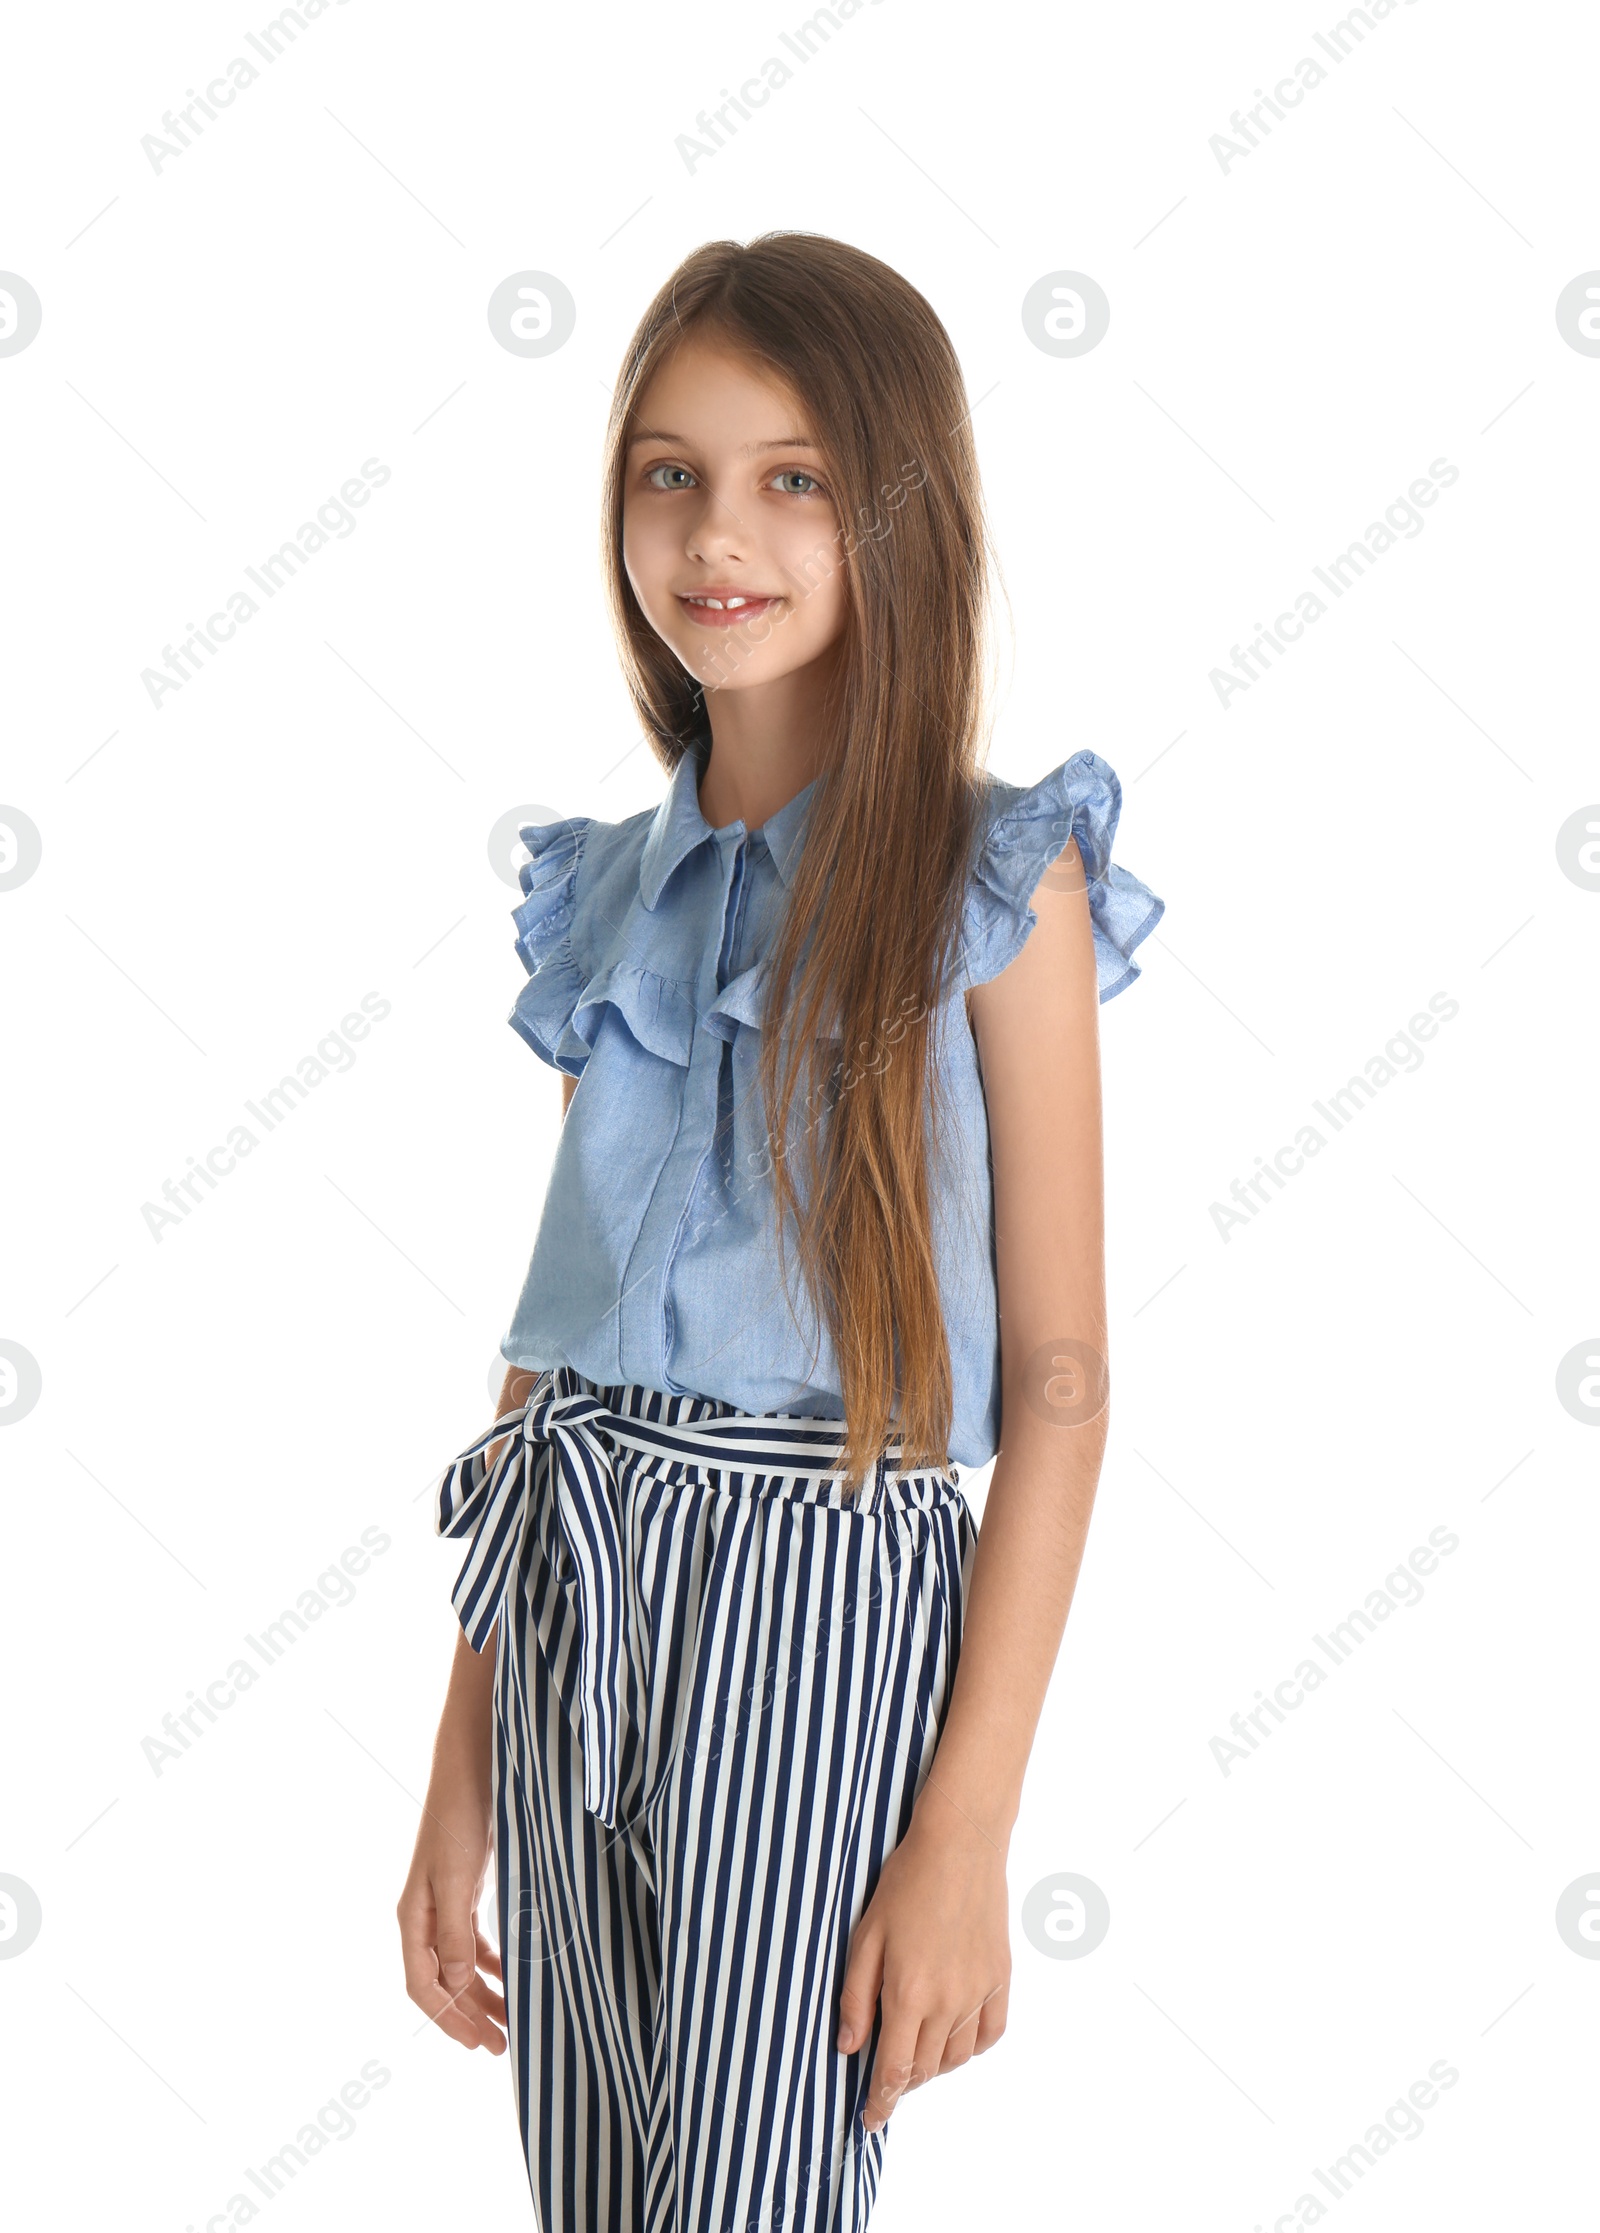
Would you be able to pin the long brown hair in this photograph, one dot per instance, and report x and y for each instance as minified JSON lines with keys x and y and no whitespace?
{"x":874,"y":909}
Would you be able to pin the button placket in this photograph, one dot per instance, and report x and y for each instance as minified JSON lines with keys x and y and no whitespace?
{"x":705,"y":1068}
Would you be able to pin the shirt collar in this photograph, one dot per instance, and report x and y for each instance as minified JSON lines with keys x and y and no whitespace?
{"x":679,"y":826}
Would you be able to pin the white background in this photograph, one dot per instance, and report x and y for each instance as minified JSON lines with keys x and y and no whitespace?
{"x":1374,"y":1355}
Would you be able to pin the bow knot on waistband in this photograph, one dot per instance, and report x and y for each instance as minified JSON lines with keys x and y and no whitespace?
{"x":497,"y":1506}
{"x":570,"y":1502}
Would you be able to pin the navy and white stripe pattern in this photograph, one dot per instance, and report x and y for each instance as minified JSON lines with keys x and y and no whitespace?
{"x":720,"y":1681}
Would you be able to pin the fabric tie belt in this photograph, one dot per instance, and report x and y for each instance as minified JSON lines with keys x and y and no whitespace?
{"x":496,"y":1508}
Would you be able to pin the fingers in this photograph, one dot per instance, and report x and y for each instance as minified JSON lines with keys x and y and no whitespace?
{"x":960,"y":2046}
{"x":911,"y":2050}
{"x":440,"y":1946}
{"x":863,"y":1980}
{"x":858,"y":2001}
{"x":417,"y":1930}
{"x":480,"y":1992}
{"x":894,"y":2060}
{"x":992,"y":2018}
{"x":455,"y":1942}
{"x":473,"y":2014}
{"x":976,"y":2031}
{"x":490,"y":2007}
{"x":892,"y":2069}
{"x":484,"y":1997}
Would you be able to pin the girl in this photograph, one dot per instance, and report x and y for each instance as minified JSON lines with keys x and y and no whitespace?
{"x":830,"y":1009}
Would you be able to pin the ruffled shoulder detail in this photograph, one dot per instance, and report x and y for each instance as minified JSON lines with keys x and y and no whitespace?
{"x":1081,"y":799}
{"x":575,"y":887}
{"x":549,"y":878}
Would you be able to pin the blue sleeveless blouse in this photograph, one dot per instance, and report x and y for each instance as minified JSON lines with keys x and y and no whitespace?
{"x":655,"y":1260}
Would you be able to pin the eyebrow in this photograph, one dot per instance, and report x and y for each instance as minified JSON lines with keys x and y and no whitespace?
{"x":784,"y":442}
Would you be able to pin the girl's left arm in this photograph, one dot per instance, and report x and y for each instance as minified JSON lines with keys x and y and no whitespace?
{"x":934,"y":1939}
{"x":1038,"y":1031}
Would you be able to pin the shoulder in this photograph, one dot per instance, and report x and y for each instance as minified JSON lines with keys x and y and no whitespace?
{"x":1028,"y":822}
{"x":572,"y":862}
{"x":584,"y":884}
{"x":578,"y":882}
{"x":1023,"y":831}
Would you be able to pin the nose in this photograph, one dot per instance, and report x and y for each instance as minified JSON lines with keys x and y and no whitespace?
{"x":718,"y":533}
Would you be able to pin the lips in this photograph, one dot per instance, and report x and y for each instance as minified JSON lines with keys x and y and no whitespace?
{"x":724,"y":608}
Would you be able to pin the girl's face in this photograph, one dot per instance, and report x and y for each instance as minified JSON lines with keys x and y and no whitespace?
{"x":729,"y":536}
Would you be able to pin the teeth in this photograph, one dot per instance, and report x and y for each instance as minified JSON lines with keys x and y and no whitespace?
{"x":720,"y":604}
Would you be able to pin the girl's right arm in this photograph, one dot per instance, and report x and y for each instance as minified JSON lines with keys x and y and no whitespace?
{"x":444,"y":1949}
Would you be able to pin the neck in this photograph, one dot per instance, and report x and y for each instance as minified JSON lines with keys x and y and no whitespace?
{"x":765,"y":746}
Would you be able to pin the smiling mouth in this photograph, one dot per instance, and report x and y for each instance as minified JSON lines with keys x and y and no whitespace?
{"x":730,"y":610}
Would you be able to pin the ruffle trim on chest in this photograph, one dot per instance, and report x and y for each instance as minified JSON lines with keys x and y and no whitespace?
{"x":740,"y":1002}
{"x":571,"y":980}
{"x":558,"y":1010}
{"x":1081,"y":799}
{"x":581,"y":949}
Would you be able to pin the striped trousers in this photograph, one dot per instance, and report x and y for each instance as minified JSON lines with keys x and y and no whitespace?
{"x":719,"y":1683}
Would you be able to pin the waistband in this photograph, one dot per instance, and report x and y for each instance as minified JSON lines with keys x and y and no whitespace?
{"x":585,"y":1427}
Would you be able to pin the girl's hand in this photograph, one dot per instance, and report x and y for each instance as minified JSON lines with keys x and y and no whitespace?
{"x":438,"y":1911}
{"x":443,"y":1947}
{"x":934,"y":1942}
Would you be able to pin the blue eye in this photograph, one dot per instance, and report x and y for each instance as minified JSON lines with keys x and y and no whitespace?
{"x":655,"y":469}
{"x":793,"y":473}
